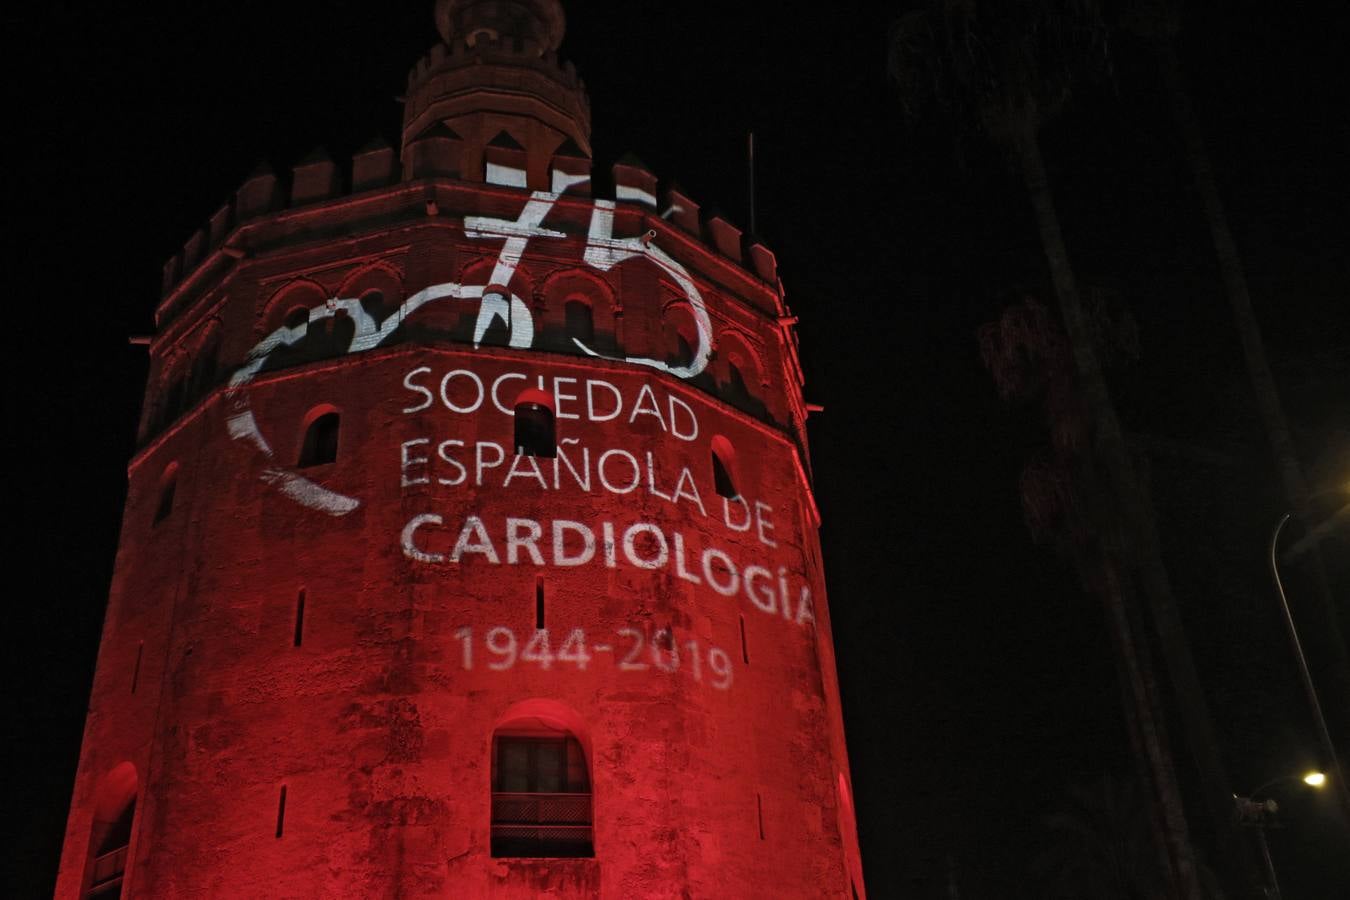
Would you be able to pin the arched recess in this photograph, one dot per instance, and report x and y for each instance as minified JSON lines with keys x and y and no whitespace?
{"x":497,"y":328}
{"x":740,"y":372}
{"x":542,"y":803}
{"x":109,"y":854}
{"x":281,"y":307}
{"x":573,"y":287}
{"x":290,"y":306}
{"x":679,"y":333}
{"x":379,"y":287}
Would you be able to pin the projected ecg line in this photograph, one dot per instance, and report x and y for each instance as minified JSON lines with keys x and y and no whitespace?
{"x":603,"y":251}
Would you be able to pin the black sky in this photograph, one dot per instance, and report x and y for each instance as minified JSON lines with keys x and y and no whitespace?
{"x":977,"y":678}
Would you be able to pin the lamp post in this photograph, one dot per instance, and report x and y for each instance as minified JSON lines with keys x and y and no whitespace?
{"x":1323,"y":735}
{"x":1252,"y":812}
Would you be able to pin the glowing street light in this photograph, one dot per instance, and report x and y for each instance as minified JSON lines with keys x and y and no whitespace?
{"x":1259,"y":814}
{"x":1324,"y":736}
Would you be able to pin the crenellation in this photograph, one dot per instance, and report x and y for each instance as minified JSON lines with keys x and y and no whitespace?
{"x":763,"y":262}
{"x":194,"y":249}
{"x":570,"y":170}
{"x":373,"y":166}
{"x":681,"y":210}
{"x":173,"y":270}
{"x":258,"y":195}
{"x":314,"y":178}
{"x":220,"y":224}
{"x":633,"y":181}
{"x":723,"y":236}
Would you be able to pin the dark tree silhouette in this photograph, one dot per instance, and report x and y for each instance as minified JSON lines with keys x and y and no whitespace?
{"x":1002,"y":70}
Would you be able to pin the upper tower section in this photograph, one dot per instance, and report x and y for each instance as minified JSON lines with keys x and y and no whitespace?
{"x":493,"y":103}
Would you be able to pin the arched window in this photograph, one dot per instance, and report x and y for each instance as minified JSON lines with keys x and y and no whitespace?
{"x":739,"y":378}
{"x":110,"y":834}
{"x":168,"y":484}
{"x":724,"y":468}
{"x":321,"y":440}
{"x":534,"y":431}
{"x":579,"y":322}
{"x":541,"y":791}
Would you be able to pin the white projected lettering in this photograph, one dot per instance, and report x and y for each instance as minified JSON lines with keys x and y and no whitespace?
{"x":631,"y":648}
{"x":435,"y":539}
{"x":495,"y":301}
{"x":641,"y":545}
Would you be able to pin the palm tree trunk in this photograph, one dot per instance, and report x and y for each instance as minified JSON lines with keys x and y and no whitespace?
{"x":1135,"y":715}
{"x":1253,"y":350}
{"x":1150,"y":730}
{"x":1109,"y":444}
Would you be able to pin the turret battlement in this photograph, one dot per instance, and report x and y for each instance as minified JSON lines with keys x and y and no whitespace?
{"x":317,"y":180}
{"x":514,"y":52}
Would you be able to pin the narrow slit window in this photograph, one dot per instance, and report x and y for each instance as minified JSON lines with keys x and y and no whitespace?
{"x":745,"y":646}
{"x":539,"y":603}
{"x":281,"y":811}
{"x":759,"y":813}
{"x":321,"y":441}
{"x":168,"y":484}
{"x":534,"y":427}
{"x":299,"y":618}
{"x":136,"y":670}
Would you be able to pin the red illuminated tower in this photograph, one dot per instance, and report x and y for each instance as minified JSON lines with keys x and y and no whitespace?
{"x":470,"y":548}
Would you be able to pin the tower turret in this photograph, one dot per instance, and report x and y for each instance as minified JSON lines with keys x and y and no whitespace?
{"x":493,"y":102}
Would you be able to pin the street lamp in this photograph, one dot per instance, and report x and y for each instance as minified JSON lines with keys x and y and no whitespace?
{"x":1258,"y":814}
{"x":1323,"y":735}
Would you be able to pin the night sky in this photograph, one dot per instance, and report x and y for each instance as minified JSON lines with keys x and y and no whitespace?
{"x":977,"y":676}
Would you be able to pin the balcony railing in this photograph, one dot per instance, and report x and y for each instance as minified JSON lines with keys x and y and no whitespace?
{"x":106,"y":880}
{"x":553,"y":825}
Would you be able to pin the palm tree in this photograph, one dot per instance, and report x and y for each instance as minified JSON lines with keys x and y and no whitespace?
{"x":1004,"y":69}
{"x":1100,"y":846}
{"x":1158,"y":23}
{"x":1065,"y":504}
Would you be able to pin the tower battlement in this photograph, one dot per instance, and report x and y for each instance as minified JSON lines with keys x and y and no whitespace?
{"x":316,"y":184}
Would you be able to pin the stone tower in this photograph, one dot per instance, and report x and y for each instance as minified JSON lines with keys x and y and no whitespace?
{"x":470,"y":548}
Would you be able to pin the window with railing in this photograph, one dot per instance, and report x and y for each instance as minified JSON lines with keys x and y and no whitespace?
{"x":110,"y":856}
{"x":541,"y":797}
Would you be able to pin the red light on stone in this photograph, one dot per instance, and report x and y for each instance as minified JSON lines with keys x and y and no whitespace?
{"x":468,"y":578}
